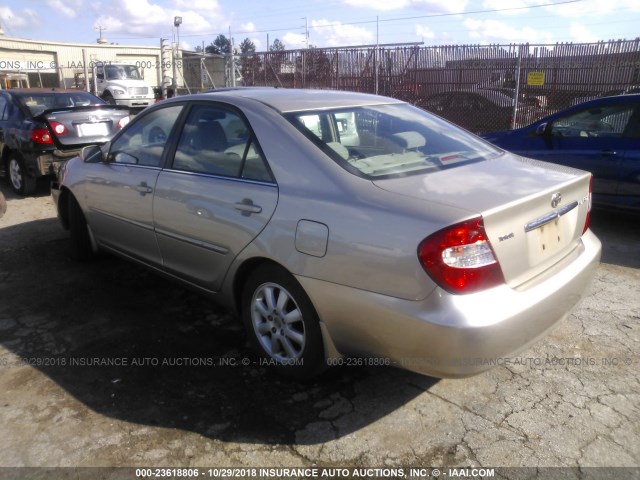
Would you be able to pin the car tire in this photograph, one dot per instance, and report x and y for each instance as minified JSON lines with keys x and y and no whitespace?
{"x":81,"y":248}
{"x":20,"y":180}
{"x":107,"y":97}
{"x":282,"y":324}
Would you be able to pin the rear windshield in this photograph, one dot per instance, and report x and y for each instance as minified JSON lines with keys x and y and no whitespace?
{"x":386,"y":141}
{"x":39,"y":102}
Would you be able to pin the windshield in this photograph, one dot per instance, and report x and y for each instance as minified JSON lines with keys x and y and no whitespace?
{"x":390,"y":140}
{"x":39,"y":102}
{"x":122,"y":72}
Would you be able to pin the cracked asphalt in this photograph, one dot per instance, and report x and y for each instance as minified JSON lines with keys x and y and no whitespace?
{"x":177,"y":391}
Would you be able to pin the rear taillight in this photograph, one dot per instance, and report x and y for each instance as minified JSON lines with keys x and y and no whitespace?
{"x":460,"y":258}
{"x":587,"y":220}
{"x":59,"y":129}
{"x":122,"y":122}
{"x":41,"y":136}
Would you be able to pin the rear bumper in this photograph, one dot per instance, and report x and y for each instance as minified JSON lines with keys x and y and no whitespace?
{"x":49,"y":163}
{"x":453,"y":335}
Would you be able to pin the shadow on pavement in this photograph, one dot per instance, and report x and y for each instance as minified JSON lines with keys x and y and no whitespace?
{"x":132,"y":346}
{"x":620,"y":236}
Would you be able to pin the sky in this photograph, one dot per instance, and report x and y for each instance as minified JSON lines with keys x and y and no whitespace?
{"x":329,"y":22}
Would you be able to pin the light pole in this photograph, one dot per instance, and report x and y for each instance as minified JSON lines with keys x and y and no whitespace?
{"x":177,"y":21}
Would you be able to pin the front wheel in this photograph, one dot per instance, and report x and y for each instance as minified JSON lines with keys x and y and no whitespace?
{"x":282,"y":324}
{"x":21,"y":182}
{"x":107,"y":97}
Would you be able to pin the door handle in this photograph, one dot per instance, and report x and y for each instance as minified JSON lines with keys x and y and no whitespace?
{"x":608,"y":153}
{"x":143,"y":188}
{"x":247,"y":207}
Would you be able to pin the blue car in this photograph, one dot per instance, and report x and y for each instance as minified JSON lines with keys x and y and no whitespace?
{"x":601,"y":136}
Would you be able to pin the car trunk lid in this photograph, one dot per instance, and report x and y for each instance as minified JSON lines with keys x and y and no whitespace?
{"x":533,"y":212}
{"x":74,"y":127}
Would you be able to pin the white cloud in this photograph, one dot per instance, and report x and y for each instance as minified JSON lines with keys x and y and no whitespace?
{"x":581,"y":34}
{"x":294,"y":40}
{"x":433,"y":6}
{"x":424,"y":32}
{"x":145,"y":18}
{"x":248,"y":27}
{"x":336,"y":34}
{"x":595,"y":8}
{"x":507,"y":6}
{"x":494,"y":31}
{"x":20,"y":19}
{"x":68,"y":8}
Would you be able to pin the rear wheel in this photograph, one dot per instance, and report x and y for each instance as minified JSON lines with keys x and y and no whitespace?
{"x":81,"y":249}
{"x":282,"y":324}
{"x":21,"y":182}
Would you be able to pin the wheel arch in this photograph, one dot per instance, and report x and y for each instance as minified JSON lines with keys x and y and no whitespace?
{"x":242,"y":274}
{"x":240,"y":278}
{"x":63,"y":206}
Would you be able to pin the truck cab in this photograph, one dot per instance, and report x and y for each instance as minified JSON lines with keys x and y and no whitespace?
{"x":121,"y":84}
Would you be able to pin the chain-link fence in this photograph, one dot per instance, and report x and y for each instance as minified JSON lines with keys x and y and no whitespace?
{"x":480,"y":87}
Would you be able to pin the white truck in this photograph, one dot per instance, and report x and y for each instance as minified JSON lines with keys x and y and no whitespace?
{"x":120,"y":83}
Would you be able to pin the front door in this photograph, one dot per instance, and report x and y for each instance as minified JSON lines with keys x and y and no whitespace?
{"x":119,"y":192}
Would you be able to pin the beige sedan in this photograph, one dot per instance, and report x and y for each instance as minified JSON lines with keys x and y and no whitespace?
{"x":340,"y":224}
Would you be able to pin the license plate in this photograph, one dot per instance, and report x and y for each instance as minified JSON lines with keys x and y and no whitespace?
{"x":93,"y":129}
{"x":551,"y":237}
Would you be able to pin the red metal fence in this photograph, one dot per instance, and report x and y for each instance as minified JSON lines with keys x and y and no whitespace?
{"x":472,"y":80}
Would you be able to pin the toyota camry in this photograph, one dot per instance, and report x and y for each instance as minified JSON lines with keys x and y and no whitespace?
{"x":340,"y":224}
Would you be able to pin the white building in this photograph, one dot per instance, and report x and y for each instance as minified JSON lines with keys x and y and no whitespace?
{"x":58,"y":64}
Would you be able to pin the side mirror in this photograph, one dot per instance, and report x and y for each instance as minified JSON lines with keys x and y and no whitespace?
{"x":541,"y":130}
{"x":92,"y":154}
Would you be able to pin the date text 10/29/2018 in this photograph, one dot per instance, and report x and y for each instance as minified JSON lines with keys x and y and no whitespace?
{"x":314,"y":472}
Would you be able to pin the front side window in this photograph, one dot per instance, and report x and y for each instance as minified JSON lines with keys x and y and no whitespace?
{"x":217,"y":141}
{"x":609,"y":122}
{"x":390,"y":140}
{"x":143,"y":142}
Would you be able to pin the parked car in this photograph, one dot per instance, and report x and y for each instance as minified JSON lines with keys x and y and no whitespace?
{"x":3,"y":205}
{"x":41,"y":128}
{"x":601,"y":136}
{"x":480,"y":110}
{"x":340,"y":223}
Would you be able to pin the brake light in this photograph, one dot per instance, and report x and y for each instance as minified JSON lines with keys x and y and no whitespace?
{"x":122,"y":122}
{"x":59,"y":129}
{"x":587,"y":220}
{"x":41,"y":136}
{"x":460,"y":258}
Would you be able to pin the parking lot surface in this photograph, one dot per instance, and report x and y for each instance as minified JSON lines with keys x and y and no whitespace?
{"x":106,"y":364}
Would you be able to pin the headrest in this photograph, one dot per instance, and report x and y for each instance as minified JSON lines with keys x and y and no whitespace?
{"x":408,"y":140}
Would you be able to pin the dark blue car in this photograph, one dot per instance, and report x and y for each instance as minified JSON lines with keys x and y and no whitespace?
{"x":601,"y":136}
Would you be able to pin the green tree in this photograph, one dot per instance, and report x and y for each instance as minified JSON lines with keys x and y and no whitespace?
{"x":247,"y":46}
{"x":277,"y":46}
{"x":221,"y":45}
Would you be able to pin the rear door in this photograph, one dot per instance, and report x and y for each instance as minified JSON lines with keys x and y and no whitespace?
{"x":629,"y":170}
{"x":215,"y":198}
{"x":119,"y":192}
{"x":593,"y":139}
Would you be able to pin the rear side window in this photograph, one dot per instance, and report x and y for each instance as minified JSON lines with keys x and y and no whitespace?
{"x":217,"y":141}
{"x":390,"y":140}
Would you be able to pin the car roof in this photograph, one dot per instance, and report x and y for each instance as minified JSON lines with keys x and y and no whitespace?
{"x":299,"y":99}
